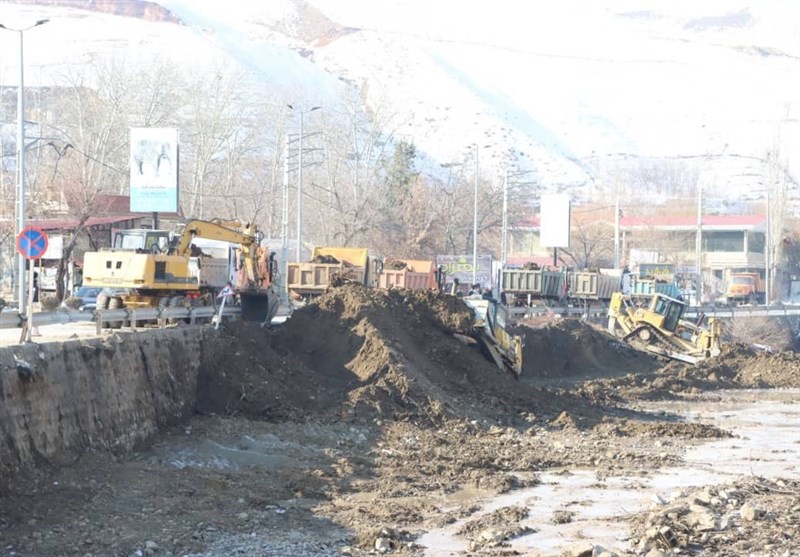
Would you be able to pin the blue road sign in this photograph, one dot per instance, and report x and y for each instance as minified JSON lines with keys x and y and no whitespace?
{"x":32,"y":243}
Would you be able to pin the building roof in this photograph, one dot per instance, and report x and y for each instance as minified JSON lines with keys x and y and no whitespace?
{"x":689,"y":222}
{"x":71,"y":223}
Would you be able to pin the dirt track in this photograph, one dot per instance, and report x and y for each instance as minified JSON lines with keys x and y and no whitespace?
{"x":359,"y":422}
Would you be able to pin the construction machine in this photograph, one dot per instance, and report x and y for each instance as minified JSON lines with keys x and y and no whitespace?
{"x":158,"y":268}
{"x":329,"y":266}
{"x":660,"y":328}
{"x":490,"y":329}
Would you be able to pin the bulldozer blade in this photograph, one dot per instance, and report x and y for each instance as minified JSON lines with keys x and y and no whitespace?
{"x":259,"y":306}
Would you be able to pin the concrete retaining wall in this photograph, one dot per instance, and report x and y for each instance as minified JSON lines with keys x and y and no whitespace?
{"x":108,"y":393}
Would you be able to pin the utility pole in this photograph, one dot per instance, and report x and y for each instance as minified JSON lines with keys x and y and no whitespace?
{"x":475,"y":218}
{"x":699,"y":241}
{"x":285,"y":222}
{"x":21,"y":160}
{"x":504,"y":243}
{"x":616,"y":229}
{"x":768,"y":246}
{"x":299,"y":223}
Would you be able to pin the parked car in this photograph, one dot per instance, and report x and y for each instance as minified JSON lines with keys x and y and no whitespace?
{"x":89,"y":296}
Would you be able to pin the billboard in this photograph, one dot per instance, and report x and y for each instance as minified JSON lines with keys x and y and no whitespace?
{"x":154,"y":170}
{"x":555,"y":221}
{"x":460,"y":267}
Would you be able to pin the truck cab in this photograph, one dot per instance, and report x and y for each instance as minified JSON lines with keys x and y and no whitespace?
{"x":745,"y":288}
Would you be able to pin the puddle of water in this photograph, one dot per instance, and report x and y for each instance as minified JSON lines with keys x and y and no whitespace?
{"x":266,"y":451}
{"x":766,"y":425}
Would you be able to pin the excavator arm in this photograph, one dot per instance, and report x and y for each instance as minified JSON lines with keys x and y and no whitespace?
{"x":226,"y":231}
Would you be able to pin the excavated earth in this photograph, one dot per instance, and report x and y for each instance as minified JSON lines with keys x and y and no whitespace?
{"x":347,"y":428}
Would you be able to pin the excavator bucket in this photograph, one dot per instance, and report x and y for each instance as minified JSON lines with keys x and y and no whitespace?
{"x":259,"y":305}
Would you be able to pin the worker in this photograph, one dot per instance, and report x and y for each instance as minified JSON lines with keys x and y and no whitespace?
{"x":34,"y":329}
{"x":226,"y":294}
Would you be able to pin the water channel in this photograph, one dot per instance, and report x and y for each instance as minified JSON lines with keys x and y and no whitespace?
{"x":766,"y":442}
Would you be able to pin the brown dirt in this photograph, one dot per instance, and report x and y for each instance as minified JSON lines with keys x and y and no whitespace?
{"x":365,"y":413}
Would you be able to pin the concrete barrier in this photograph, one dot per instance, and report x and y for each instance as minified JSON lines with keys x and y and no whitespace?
{"x":59,"y":399}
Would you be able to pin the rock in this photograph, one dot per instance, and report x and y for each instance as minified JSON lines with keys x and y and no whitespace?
{"x":151,"y":545}
{"x":582,"y":549}
{"x":701,"y":519}
{"x":383,"y":545}
{"x":749,"y":512}
{"x":655,"y":553}
{"x":492,"y":535}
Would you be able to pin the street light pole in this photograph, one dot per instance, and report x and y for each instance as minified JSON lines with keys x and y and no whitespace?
{"x":475,"y":219}
{"x":21,"y":159}
{"x":300,"y":183}
{"x":504,"y":242}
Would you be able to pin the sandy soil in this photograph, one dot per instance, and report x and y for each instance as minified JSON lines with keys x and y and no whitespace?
{"x":345,"y":430}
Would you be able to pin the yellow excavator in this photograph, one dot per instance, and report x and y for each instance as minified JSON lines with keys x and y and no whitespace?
{"x":659,"y":328}
{"x":159,"y":268}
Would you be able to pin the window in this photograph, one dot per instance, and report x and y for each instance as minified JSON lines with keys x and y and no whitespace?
{"x":755,"y":242}
{"x":723,"y":241}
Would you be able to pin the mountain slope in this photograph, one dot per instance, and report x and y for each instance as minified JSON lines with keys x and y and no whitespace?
{"x":575,"y":91}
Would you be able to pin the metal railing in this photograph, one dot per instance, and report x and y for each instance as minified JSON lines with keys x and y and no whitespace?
{"x":130,"y":318}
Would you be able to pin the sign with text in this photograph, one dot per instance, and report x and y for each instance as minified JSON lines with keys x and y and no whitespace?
{"x":555,"y":221}
{"x":460,"y":267}
{"x":154,"y":170}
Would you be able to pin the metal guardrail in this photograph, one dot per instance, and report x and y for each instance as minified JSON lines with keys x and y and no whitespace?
{"x":132,"y":317}
{"x":691,"y":312}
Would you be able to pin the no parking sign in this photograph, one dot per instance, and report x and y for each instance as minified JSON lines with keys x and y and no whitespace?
{"x":32,"y":243}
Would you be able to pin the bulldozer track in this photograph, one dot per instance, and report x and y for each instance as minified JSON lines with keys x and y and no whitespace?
{"x":657,"y":339}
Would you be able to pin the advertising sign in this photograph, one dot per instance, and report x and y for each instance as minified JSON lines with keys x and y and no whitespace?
{"x":154,"y":170}
{"x":660,"y":271}
{"x":555,"y":221}
{"x":460,"y":267}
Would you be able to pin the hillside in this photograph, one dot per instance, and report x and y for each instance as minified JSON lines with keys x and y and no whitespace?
{"x":576,"y":91}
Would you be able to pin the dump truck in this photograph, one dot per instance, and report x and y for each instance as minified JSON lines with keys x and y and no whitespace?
{"x":593,"y":285}
{"x":159,"y":268}
{"x":411,"y":274}
{"x":528,"y":286}
{"x":659,"y":328}
{"x":746,"y":288}
{"x":328,"y":267}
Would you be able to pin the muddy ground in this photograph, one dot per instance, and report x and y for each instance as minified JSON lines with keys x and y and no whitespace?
{"x":353,"y":428}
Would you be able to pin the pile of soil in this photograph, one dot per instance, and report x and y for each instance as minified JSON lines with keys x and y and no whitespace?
{"x":737,"y":367}
{"x":571,"y":348}
{"x":365,"y":354}
{"x":363,"y":422}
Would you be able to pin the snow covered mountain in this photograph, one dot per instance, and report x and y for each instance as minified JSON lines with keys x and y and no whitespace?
{"x":573,"y":90}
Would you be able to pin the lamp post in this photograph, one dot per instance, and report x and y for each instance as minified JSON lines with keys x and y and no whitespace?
{"x":475,"y":218}
{"x":299,"y":232}
{"x":21,"y":159}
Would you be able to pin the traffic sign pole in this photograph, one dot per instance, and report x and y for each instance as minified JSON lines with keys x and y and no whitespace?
{"x":31,"y":245}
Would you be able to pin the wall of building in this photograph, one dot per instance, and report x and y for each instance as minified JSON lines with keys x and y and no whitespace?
{"x":110,"y":393}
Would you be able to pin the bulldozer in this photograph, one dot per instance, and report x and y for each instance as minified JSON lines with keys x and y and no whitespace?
{"x":159,"y":268}
{"x":659,"y":328}
{"x":490,"y":330}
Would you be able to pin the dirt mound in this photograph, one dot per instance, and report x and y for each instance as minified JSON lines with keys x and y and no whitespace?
{"x":364,"y":354}
{"x":738,"y":366}
{"x":569,"y":348}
